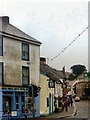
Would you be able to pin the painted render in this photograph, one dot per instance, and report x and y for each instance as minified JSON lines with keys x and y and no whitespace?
{"x":45,"y":91}
{"x":12,"y":60}
{"x":12,"y":66}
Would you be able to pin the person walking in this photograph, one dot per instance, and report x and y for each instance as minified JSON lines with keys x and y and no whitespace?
{"x":66,"y":105}
{"x":71,"y":101}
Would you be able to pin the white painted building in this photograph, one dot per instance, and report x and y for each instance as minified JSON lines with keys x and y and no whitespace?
{"x":19,"y":68}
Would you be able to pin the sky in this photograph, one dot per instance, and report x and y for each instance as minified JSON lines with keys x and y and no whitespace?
{"x":55,"y":23}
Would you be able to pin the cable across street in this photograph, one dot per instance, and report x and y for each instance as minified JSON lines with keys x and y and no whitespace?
{"x":68,"y":45}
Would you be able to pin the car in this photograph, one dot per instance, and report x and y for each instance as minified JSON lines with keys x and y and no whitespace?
{"x":77,"y":99}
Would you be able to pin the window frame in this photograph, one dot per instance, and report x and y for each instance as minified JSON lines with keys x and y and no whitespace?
{"x":1,"y":45}
{"x":25,"y":52}
{"x":23,"y":68}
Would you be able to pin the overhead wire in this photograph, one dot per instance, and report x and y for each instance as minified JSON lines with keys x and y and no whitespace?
{"x":68,"y":45}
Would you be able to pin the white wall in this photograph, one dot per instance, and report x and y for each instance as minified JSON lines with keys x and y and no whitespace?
{"x":13,"y":62}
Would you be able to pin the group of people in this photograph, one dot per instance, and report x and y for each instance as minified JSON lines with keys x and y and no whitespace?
{"x":67,"y":102}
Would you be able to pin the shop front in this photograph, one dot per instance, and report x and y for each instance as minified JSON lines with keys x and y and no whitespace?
{"x":17,"y":103}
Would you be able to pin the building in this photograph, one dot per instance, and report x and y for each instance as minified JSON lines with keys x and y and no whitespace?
{"x":81,"y":89}
{"x":51,"y":90}
{"x":19,"y":72}
{"x":81,"y":85}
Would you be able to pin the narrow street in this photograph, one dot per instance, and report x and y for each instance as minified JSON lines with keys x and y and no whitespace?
{"x":83,"y":109}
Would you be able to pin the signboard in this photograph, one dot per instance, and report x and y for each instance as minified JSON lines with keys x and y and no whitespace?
{"x":51,"y":84}
{"x":14,"y":113}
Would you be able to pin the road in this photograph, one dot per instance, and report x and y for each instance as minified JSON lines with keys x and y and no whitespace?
{"x":83,"y":111}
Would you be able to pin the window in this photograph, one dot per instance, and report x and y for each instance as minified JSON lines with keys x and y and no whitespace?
{"x":1,"y":46}
{"x":6,"y":104}
{"x":25,"y":75}
{"x":27,"y":105}
{"x":17,"y":102}
{"x":25,"y":51}
{"x":1,"y":73}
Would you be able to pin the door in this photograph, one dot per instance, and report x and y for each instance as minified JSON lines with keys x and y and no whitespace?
{"x":50,"y":104}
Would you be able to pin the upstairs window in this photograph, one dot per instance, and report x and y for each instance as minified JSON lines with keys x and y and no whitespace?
{"x":25,"y":75}
{"x":1,"y":46}
{"x":25,"y":51}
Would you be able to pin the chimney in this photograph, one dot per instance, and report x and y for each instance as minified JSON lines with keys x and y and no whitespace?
{"x":4,"y":19}
{"x":63,"y":69}
{"x":43,"y":60}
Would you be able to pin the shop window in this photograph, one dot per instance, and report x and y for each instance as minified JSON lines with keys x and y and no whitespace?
{"x":25,"y":51}
{"x":27,"y":104}
{"x":25,"y":75}
{"x":1,"y":46}
{"x":17,"y":102}
{"x":6,"y":105}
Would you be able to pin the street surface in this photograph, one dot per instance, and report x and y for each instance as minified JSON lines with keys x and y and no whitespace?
{"x":83,"y":111}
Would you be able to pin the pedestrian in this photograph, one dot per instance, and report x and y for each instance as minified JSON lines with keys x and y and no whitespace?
{"x":71,"y":101}
{"x":68,"y":99}
{"x":66,"y":105}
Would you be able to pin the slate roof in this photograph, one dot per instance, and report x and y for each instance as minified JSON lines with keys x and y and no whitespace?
{"x":9,"y":29}
{"x":51,"y":72}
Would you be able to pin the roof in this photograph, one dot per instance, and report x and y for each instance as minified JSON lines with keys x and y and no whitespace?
{"x":8,"y":29}
{"x":51,"y":72}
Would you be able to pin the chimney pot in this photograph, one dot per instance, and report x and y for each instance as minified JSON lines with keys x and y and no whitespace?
{"x":43,"y":60}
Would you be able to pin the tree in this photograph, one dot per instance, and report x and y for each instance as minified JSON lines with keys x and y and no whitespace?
{"x":78,"y":69}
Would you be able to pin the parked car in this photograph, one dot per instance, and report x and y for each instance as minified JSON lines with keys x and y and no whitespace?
{"x":77,"y":99}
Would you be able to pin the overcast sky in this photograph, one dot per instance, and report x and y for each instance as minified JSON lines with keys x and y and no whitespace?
{"x":55,"y":23}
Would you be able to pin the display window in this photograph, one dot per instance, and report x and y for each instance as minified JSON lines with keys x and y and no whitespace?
{"x":6,"y":105}
{"x":27,"y":104}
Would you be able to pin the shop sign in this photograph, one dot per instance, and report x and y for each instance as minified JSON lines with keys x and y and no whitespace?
{"x":14,"y":113}
{"x":51,"y":84}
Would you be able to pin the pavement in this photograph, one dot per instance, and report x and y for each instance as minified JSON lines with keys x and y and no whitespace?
{"x":63,"y":114}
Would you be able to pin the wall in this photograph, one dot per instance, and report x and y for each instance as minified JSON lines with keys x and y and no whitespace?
{"x":89,"y":35}
{"x":43,"y":94}
{"x":0,"y":104}
{"x":13,"y":62}
{"x":34,"y":64}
